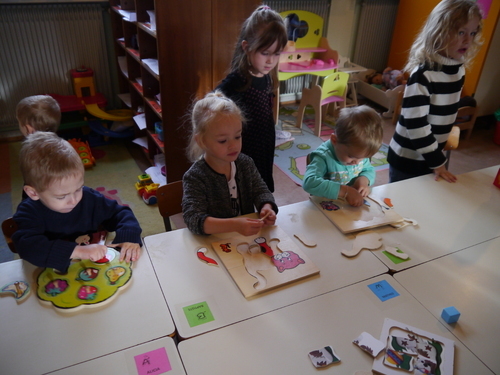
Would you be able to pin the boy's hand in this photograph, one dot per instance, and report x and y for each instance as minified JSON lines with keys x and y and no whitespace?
{"x":248,"y":227}
{"x":94,"y":252}
{"x":445,"y":174}
{"x":268,"y":214}
{"x":362,"y":186}
{"x":129,"y":251}
{"x":354,"y":198}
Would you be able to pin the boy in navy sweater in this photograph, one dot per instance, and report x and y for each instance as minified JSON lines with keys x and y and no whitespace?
{"x":61,"y":210}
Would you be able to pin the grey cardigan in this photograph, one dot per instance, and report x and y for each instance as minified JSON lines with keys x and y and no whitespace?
{"x":206,"y":193}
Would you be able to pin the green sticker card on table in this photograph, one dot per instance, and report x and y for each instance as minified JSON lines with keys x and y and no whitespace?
{"x":197,"y":314}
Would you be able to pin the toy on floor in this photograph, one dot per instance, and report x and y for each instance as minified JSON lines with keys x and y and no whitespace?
{"x":19,"y":289}
{"x":147,"y":189}
{"x":265,"y":261}
{"x":83,"y":150}
{"x":86,"y":284}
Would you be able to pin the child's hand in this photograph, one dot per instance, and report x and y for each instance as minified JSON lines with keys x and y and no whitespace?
{"x":268,"y":214}
{"x":94,"y":252}
{"x":248,"y":227}
{"x":445,"y":174}
{"x":354,"y":198}
{"x":129,"y":251}
{"x":362,"y":186}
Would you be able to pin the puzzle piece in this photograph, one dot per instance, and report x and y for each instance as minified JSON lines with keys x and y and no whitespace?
{"x":406,"y":221}
{"x":305,"y":240}
{"x":200,"y":253}
{"x":323,"y":357}
{"x":394,"y":251}
{"x":369,"y":344}
{"x":19,"y":289}
{"x":365,"y":240}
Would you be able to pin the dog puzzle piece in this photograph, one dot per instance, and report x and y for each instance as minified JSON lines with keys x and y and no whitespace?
{"x":369,"y":344}
{"x":394,"y":251}
{"x":450,"y":315}
{"x":388,"y":202}
{"x":379,"y":202}
{"x":200,"y":253}
{"x":305,"y":240}
{"x":365,"y":240}
{"x":19,"y":289}
{"x":323,"y":357}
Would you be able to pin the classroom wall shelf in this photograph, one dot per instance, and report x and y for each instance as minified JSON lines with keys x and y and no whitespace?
{"x":185,"y":57}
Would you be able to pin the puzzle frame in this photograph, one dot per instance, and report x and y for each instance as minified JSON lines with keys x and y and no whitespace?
{"x":349,"y":219}
{"x":254,"y":266}
{"x":392,"y":327}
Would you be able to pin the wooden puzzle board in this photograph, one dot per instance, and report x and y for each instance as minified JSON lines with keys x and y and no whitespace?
{"x":352,"y":219}
{"x":86,"y":284}
{"x":393,"y":328}
{"x":264,"y":261}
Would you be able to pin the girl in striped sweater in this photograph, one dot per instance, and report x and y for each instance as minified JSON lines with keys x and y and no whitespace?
{"x":447,"y":42}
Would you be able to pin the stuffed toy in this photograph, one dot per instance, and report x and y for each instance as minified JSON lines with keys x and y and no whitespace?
{"x":393,"y":78}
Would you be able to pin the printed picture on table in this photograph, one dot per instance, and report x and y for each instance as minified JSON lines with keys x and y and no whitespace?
{"x":265,"y":261}
{"x":413,"y":351}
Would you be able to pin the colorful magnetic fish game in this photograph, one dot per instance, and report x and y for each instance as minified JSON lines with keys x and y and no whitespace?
{"x":86,"y":284}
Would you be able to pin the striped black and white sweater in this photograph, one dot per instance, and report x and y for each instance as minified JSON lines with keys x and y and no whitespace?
{"x":429,"y":109}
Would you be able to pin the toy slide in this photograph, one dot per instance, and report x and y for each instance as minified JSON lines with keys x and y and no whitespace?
{"x":115,"y":115}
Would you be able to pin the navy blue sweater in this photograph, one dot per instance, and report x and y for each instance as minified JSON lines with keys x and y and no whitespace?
{"x":46,"y":238}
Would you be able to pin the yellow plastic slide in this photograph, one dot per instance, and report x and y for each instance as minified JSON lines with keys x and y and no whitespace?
{"x":114,"y":115}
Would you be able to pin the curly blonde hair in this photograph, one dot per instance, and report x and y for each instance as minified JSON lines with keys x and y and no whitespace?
{"x":441,"y":26}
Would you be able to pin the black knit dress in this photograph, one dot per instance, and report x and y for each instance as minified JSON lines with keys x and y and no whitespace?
{"x":259,"y":132}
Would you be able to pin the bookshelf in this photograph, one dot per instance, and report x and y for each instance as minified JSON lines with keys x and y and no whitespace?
{"x":192,"y":45}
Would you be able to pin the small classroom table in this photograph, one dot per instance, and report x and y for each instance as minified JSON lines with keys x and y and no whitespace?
{"x":37,"y":339}
{"x":450,"y":216}
{"x":145,"y":357}
{"x":186,"y":281}
{"x":279,"y":342}
{"x":468,"y":279}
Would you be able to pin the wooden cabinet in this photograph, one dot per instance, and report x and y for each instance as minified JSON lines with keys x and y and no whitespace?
{"x":193,"y":43}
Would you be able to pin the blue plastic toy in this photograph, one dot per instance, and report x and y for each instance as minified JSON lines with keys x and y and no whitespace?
{"x":450,"y":314}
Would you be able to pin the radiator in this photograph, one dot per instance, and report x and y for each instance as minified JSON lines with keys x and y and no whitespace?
{"x":291,"y":89}
{"x":374,"y":33}
{"x":40,"y":44}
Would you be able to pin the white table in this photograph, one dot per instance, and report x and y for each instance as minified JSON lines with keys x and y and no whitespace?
{"x":36,"y":338}
{"x":279,"y":342}
{"x":469,"y":280}
{"x":451,"y":216}
{"x":123,"y":362}
{"x":185,"y":280}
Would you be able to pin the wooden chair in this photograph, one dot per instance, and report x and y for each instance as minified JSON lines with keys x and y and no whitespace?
{"x":333,"y":90}
{"x":451,"y":143}
{"x":9,"y":226}
{"x":466,"y":118}
{"x":169,"y":201}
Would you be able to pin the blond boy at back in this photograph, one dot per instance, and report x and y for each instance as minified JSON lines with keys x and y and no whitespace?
{"x":38,"y":113}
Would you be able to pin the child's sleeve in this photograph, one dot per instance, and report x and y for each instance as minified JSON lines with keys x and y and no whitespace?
{"x":314,"y":181}
{"x":194,"y":203}
{"x":119,"y":219}
{"x":35,"y":247}
{"x":368,"y":171}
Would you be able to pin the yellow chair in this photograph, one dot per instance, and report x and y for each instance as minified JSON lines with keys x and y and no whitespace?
{"x":169,"y":201}
{"x":333,"y":90}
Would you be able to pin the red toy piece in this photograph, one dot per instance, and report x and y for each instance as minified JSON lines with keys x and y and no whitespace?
{"x":83,"y":150}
